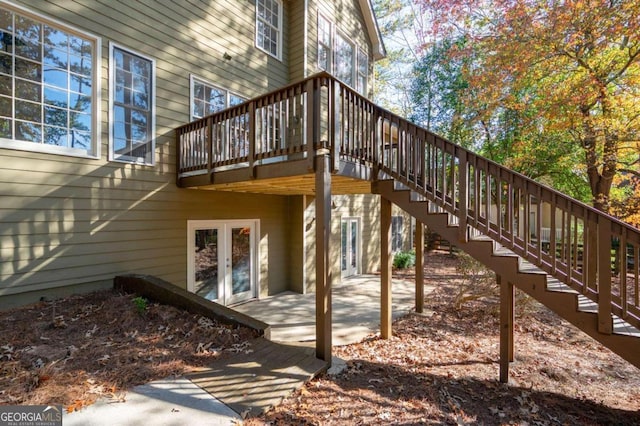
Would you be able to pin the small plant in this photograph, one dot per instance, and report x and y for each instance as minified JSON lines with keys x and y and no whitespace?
{"x":404,"y":259}
{"x":141,"y":304}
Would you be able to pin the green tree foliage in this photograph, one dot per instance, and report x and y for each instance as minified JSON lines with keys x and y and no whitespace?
{"x":552,"y":87}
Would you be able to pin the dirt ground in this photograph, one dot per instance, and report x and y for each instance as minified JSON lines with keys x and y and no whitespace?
{"x":439,"y":368}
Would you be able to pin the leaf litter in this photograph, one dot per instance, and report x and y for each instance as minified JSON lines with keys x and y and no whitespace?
{"x":74,"y":350}
{"x":441,"y":367}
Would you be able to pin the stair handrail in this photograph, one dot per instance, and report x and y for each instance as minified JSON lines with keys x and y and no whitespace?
{"x":513,"y":214}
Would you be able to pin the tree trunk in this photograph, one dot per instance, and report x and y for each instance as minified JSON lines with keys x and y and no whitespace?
{"x":600,"y":170}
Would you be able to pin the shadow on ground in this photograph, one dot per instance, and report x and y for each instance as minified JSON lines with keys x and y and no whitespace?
{"x":380,"y":393}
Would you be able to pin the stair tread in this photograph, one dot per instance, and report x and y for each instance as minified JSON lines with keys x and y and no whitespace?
{"x":587,"y":305}
{"x":622,"y":327}
{"x":555,"y":293}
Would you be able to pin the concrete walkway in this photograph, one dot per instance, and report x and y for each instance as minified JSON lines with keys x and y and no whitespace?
{"x":168,"y":402}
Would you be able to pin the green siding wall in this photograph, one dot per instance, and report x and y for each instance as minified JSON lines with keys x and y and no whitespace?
{"x":67,"y":221}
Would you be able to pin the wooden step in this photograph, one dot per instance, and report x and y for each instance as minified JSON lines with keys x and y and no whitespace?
{"x":551,"y":292}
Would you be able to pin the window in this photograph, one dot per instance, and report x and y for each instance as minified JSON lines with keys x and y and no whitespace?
{"x":396,"y":233}
{"x":132,"y":107}
{"x":269,"y":27}
{"x":344,"y":59}
{"x":363,"y":72}
{"x":208,"y":99}
{"x":48,"y":86}
{"x":324,"y":43}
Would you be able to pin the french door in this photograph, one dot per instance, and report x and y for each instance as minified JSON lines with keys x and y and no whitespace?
{"x":222,"y":260}
{"x":350,"y":246}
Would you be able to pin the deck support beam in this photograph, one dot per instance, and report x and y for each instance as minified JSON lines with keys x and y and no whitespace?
{"x":385,"y":268}
{"x":419,"y":241}
{"x":507,"y":312}
{"x":323,"y":270}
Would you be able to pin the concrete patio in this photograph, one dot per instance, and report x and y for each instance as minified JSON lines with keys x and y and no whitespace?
{"x":356,"y":310}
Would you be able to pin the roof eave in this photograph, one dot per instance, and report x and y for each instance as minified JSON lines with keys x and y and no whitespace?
{"x":379,"y":52}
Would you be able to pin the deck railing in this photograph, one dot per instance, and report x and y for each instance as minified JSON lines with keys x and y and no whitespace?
{"x":594,"y":253}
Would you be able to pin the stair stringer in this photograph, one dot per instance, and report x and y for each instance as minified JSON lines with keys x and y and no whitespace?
{"x":534,"y":283}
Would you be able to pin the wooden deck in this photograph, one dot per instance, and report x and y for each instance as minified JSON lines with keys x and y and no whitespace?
{"x":259,"y":376}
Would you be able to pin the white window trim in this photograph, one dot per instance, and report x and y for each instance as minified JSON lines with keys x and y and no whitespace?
{"x":278,"y":56}
{"x":228,"y":93}
{"x":112,"y":81}
{"x":193,"y":225}
{"x":364,"y":90}
{"x":95,"y":95}
{"x":331,"y":42}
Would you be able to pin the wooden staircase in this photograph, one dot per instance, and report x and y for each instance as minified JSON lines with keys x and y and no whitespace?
{"x":581,"y":263}
{"x":564,"y":301}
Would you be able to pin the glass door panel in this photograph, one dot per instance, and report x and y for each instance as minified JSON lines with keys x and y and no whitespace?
{"x":353,"y":233}
{"x":206,"y":263}
{"x":344,"y":253}
{"x":350,"y":243}
{"x":239,"y":264}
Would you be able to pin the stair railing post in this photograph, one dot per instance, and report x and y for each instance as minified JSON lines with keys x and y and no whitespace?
{"x":463,"y":194}
{"x":252,"y":139}
{"x":337,"y":124}
{"x":313,"y":87}
{"x":377,"y":141}
{"x":209,"y":148}
{"x":605,"y":323}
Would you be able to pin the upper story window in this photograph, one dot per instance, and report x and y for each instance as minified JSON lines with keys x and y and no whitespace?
{"x":345,"y":59}
{"x":340,"y":56}
{"x":132,"y":105}
{"x":207,"y":99}
{"x":269,"y":27}
{"x":363,"y":72}
{"x":324,"y":43}
{"x":48,"y":86}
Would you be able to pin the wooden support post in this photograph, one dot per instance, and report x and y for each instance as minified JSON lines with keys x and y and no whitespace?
{"x":385,"y":268}
{"x":323,"y":270}
{"x":419,"y":266}
{"x":507,"y":300}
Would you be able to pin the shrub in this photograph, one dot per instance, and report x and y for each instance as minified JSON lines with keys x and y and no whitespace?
{"x":404,"y":259}
{"x":140,"y":303}
{"x":479,"y":282}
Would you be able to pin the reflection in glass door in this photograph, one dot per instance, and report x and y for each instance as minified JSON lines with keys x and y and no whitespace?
{"x":350,"y":246}
{"x":206,"y":265}
{"x":238,"y":264}
{"x":221,"y":261}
